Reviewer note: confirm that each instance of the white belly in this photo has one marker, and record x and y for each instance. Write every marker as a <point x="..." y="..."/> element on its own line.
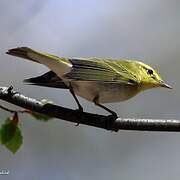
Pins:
<point x="107" y="92"/>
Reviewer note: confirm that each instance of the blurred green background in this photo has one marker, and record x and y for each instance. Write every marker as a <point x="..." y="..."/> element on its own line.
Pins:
<point x="132" y="29"/>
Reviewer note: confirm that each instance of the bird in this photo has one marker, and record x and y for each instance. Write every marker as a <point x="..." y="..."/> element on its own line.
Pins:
<point x="99" y="80"/>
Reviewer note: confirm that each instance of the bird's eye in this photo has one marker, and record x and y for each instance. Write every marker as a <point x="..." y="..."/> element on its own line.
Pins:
<point x="132" y="81"/>
<point x="150" y="71"/>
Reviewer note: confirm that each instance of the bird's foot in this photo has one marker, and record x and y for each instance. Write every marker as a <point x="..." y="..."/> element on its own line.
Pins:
<point x="79" y="112"/>
<point x="10" y="92"/>
<point x="110" y="121"/>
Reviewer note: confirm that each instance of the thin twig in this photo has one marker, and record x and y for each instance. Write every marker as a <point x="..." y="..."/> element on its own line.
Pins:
<point x="7" y="109"/>
<point x="13" y="111"/>
<point x="100" y="121"/>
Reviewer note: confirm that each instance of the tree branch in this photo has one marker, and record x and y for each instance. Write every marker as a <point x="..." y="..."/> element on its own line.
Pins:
<point x="100" y="121"/>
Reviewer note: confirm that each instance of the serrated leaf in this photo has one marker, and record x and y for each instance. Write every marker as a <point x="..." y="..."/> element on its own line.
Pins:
<point x="15" y="143"/>
<point x="10" y="135"/>
<point x="39" y="116"/>
<point x="7" y="131"/>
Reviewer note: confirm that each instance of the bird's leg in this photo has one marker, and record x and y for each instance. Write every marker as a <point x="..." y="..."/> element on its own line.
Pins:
<point x="80" y="108"/>
<point x="96" y="102"/>
<point x="109" y="123"/>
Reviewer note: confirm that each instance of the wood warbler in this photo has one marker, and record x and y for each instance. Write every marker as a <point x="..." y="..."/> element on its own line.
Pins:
<point x="95" y="79"/>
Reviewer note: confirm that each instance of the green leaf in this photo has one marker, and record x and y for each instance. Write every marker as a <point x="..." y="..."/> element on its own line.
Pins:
<point x="39" y="116"/>
<point x="15" y="143"/>
<point x="45" y="101"/>
<point x="10" y="135"/>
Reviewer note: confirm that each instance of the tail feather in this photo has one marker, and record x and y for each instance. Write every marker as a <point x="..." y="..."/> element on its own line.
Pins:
<point x="21" y="52"/>
<point x="49" y="79"/>
<point x="56" y="64"/>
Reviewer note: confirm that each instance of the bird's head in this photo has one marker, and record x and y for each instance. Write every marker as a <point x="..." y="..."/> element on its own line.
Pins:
<point x="149" y="77"/>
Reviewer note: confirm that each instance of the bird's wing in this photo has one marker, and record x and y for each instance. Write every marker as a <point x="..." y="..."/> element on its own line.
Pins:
<point x="105" y="70"/>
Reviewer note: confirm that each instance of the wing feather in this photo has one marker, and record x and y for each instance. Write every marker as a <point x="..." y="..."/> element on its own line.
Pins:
<point x="106" y="70"/>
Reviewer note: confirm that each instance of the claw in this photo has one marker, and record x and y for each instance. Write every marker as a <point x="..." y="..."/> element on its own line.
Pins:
<point x="9" y="90"/>
<point x="110" y="121"/>
<point x="79" y="114"/>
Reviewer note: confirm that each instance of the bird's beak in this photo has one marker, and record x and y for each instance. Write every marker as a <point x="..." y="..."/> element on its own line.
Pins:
<point x="163" y="84"/>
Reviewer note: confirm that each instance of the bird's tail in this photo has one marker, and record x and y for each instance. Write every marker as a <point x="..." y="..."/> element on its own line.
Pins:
<point x="49" y="79"/>
<point x="56" y="64"/>
<point x="23" y="52"/>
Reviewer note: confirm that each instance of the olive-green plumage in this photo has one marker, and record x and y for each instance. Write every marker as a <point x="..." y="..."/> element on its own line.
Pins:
<point x="95" y="79"/>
